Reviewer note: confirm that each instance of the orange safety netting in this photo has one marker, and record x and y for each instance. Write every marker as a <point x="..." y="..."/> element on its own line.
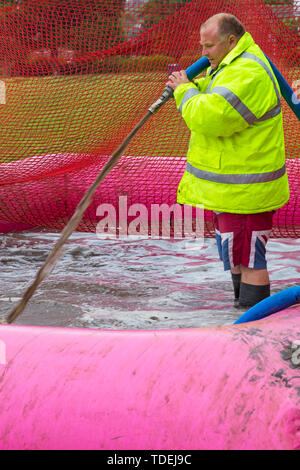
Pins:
<point x="77" y="75"/>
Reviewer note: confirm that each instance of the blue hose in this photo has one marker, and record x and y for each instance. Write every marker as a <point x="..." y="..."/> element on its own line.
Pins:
<point x="272" y="304"/>
<point x="286" y="91"/>
<point x="197" y="67"/>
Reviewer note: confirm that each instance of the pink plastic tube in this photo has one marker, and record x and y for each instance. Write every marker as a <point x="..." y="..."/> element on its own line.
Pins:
<point x="231" y="387"/>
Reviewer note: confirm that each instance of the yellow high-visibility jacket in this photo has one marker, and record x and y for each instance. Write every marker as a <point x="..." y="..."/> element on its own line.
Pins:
<point x="236" y="155"/>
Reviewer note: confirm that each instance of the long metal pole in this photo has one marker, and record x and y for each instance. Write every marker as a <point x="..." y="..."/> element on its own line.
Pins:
<point x="57" y="250"/>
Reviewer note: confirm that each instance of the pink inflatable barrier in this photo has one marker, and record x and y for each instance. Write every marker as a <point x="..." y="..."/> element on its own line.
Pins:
<point x="229" y="387"/>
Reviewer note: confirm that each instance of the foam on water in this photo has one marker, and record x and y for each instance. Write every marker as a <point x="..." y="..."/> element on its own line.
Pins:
<point x="134" y="283"/>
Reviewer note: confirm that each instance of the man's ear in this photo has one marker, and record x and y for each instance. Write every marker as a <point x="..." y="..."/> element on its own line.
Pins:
<point x="232" y="41"/>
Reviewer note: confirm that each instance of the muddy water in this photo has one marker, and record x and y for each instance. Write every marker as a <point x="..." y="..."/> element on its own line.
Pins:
<point x="134" y="283"/>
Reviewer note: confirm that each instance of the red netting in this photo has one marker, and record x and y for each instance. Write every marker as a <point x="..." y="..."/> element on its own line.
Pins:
<point x="77" y="75"/>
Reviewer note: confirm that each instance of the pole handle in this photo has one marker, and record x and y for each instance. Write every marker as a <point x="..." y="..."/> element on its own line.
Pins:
<point x="192" y="71"/>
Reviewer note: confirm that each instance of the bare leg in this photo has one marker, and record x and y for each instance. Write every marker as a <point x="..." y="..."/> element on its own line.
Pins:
<point x="257" y="277"/>
<point x="236" y="269"/>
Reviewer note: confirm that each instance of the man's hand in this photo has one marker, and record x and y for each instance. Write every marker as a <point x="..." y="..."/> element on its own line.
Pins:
<point x="177" y="78"/>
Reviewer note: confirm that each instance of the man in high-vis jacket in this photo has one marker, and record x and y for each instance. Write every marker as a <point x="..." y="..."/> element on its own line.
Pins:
<point x="236" y="157"/>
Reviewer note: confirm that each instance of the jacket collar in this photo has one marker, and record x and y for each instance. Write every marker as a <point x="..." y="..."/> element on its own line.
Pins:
<point x="244" y="42"/>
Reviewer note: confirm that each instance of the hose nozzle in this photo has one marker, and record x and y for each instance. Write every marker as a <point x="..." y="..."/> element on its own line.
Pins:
<point x="192" y="71"/>
<point x="167" y="94"/>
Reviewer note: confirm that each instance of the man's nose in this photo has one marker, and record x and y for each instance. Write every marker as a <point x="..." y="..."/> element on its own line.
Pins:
<point x="203" y="51"/>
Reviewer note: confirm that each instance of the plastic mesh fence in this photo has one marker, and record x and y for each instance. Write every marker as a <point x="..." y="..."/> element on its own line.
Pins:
<point x="77" y="75"/>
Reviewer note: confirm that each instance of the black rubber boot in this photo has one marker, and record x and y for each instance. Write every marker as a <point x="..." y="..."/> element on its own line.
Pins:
<point x="250" y="294"/>
<point x="236" y="281"/>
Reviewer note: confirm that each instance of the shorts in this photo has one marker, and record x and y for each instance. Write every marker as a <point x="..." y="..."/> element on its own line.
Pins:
<point x="242" y="238"/>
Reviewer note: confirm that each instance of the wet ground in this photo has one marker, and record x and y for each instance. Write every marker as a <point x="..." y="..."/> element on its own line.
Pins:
<point x="135" y="283"/>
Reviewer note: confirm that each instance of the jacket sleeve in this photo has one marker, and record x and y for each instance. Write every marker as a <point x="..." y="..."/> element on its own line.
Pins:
<point x="207" y="113"/>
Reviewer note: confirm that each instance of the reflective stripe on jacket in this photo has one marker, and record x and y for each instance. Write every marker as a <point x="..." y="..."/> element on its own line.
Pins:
<point x="236" y="158"/>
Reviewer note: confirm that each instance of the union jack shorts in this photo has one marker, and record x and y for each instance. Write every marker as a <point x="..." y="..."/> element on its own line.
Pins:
<point x="242" y="238"/>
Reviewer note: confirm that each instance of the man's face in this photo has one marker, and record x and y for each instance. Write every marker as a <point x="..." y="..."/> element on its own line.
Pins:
<point x="214" y="47"/>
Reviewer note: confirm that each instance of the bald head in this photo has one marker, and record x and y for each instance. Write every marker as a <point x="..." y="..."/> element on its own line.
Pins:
<point x="225" y="24"/>
<point x="219" y="35"/>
